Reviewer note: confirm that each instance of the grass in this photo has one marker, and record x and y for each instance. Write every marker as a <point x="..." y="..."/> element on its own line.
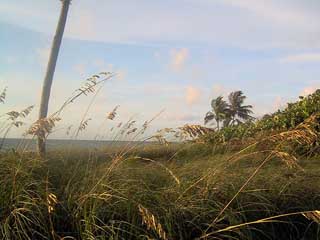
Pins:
<point x="154" y="192"/>
<point x="262" y="187"/>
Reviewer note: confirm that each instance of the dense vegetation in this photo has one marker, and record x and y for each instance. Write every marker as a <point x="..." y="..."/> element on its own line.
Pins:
<point x="282" y="120"/>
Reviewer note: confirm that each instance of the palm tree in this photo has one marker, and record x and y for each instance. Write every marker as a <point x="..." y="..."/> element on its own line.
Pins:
<point x="218" y="112"/>
<point x="45" y="96"/>
<point x="236" y="110"/>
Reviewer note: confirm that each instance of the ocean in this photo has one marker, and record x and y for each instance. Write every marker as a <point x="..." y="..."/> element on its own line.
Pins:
<point x="55" y="144"/>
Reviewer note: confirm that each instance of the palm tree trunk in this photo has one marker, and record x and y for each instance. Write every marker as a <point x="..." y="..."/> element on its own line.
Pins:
<point x="46" y="88"/>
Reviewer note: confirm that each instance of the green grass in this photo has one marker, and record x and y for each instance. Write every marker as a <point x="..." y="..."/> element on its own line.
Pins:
<point x="183" y="186"/>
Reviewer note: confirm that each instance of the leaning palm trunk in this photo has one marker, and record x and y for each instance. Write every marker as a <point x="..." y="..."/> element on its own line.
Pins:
<point x="50" y="70"/>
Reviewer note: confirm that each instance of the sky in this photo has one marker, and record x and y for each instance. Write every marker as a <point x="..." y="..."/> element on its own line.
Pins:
<point x="171" y="55"/>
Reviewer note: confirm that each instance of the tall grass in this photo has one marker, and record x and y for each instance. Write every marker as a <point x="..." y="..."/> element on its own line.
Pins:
<point x="81" y="198"/>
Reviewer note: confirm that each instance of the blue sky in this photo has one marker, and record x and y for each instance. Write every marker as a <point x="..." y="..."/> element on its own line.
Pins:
<point x="172" y="55"/>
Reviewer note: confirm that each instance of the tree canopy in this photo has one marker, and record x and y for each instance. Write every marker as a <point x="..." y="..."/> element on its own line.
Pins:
<point x="229" y="113"/>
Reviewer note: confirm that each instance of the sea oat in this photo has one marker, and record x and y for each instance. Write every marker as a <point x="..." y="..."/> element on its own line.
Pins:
<point x="131" y="124"/>
<point x="89" y="85"/>
<point x="151" y="222"/>
<point x="68" y="130"/>
<point x="290" y="160"/>
<point x="194" y="131"/>
<point x="43" y="127"/>
<point x="144" y="127"/>
<point x="113" y="113"/>
<point x="84" y="124"/>
<point x="18" y="123"/>
<point x="3" y="95"/>
<point x="161" y="139"/>
<point x="132" y="131"/>
<point x="51" y="202"/>
<point x="13" y="115"/>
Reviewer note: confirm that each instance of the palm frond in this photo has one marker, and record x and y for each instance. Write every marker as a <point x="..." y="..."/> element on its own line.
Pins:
<point x="209" y="117"/>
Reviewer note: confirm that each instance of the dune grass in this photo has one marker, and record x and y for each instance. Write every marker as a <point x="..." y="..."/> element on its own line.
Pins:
<point x="154" y="192"/>
<point x="261" y="186"/>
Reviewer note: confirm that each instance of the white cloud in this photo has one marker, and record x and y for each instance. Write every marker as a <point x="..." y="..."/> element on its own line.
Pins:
<point x="274" y="11"/>
<point x="220" y="90"/>
<point x="269" y="23"/>
<point x="278" y="103"/>
<point x="309" y="90"/>
<point x="304" y="57"/>
<point x="197" y="72"/>
<point x="192" y="95"/>
<point x="179" y="58"/>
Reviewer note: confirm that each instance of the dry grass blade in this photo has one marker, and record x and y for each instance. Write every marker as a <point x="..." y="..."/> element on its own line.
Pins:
<point x="313" y="216"/>
<point x="151" y="222"/>
<point x="304" y="134"/>
<point x="161" y="165"/>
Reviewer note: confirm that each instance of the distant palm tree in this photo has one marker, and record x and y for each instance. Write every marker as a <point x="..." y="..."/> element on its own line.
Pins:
<point x="236" y="110"/>
<point x="45" y="96"/>
<point x="218" y="112"/>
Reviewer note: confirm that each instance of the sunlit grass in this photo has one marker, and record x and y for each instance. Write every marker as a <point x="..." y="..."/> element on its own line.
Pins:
<point x="141" y="199"/>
